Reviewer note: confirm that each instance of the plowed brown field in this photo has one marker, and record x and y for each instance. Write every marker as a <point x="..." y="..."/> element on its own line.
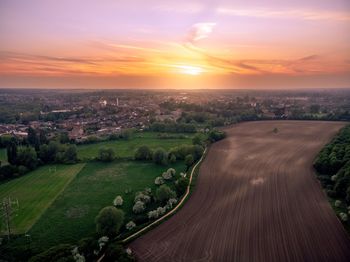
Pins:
<point x="256" y="199"/>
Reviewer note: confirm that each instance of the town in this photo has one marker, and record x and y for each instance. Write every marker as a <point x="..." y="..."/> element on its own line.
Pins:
<point x="84" y="115"/>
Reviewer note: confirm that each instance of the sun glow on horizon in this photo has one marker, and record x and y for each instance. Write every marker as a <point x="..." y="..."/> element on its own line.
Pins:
<point x="190" y="70"/>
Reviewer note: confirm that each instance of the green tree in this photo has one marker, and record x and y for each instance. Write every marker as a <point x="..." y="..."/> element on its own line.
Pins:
<point x="32" y="138"/>
<point x="27" y="157"/>
<point x="109" y="221"/>
<point x="12" y="152"/>
<point x="181" y="185"/>
<point x="164" y="193"/>
<point x="189" y="160"/>
<point x="71" y="155"/>
<point x="160" y="156"/>
<point x="197" y="140"/>
<point x="143" y="153"/>
<point x="106" y="154"/>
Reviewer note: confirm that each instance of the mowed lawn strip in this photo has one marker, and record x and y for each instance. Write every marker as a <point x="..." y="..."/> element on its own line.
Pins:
<point x="36" y="191"/>
<point x="126" y="148"/>
<point x="72" y="216"/>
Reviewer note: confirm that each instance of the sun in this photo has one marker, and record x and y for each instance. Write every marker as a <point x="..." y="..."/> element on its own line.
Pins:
<point x="190" y="70"/>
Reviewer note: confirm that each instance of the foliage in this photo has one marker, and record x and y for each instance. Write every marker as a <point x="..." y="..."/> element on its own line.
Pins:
<point x="109" y="221"/>
<point x="106" y="154"/>
<point x="216" y="135"/>
<point x="160" y="157"/>
<point x="189" y="160"/>
<point x="130" y="225"/>
<point x="118" y="201"/>
<point x="143" y="153"/>
<point x="26" y="156"/>
<point x="138" y="207"/>
<point x="333" y="166"/>
<point x="60" y="253"/>
<point x="164" y="193"/>
<point x="117" y="253"/>
<point x="181" y="185"/>
<point x="173" y="127"/>
<point x="159" y="180"/>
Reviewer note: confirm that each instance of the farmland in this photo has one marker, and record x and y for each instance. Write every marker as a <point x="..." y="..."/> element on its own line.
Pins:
<point x="126" y="148"/>
<point x="256" y="199"/>
<point x="95" y="187"/>
<point x="36" y="191"/>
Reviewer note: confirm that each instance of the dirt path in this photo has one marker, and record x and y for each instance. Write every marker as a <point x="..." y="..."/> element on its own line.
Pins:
<point x="256" y="199"/>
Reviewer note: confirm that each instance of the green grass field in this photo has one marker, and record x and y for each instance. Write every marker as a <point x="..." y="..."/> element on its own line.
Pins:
<point x="71" y="217"/>
<point x="126" y="148"/>
<point x="36" y="191"/>
<point x="3" y="156"/>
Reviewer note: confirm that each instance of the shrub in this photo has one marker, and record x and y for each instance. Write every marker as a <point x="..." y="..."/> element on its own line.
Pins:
<point x="171" y="171"/>
<point x="109" y="220"/>
<point x="159" y="180"/>
<point x="189" y="160"/>
<point x="118" y="201"/>
<point x="60" y="252"/>
<point x="142" y="196"/>
<point x="143" y="153"/>
<point x="168" y="175"/>
<point x="181" y="185"/>
<point x="106" y="154"/>
<point x="76" y="256"/>
<point x="130" y="225"/>
<point x="138" y="207"/>
<point x="172" y="158"/>
<point x="117" y="253"/>
<point x="215" y="135"/>
<point x="171" y="202"/>
<point x="160" y="157"/>
<point x="337" y="203"/>
<point x="164" y="193"/>
<point x="343" y="216"/>
<point x="161" y="211"/>
<point x="153" y="214"/>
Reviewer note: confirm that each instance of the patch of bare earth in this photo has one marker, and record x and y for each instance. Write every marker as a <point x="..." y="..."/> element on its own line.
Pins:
<point x="257" y="199"/>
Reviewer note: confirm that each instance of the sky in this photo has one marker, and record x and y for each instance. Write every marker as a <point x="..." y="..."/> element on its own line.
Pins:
<point x="175" y="44"/>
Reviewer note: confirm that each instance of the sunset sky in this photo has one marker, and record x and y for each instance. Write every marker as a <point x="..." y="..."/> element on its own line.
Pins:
<point x="175" y="44"/>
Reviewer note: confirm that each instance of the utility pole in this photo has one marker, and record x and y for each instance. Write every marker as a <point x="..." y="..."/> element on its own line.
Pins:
<point x="8" y="208"/>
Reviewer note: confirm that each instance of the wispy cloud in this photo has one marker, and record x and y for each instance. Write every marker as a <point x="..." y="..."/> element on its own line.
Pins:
<point x="294" y="13"/>
<point x="180" y="7"/>
<point x="199" y="31"/>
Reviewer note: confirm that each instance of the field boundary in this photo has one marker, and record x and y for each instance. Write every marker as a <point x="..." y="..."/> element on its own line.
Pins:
<point x="188" y="190"/>
<point x="58" y="194"/>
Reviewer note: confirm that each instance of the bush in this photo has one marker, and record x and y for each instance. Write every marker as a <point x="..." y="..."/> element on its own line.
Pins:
<point x="172" y="158"/>
<point x="138" y="207"/>
<point x="171" y="202"/>
<point x="164" y="193"/>
<point x="159" y="180"/>
<point x="337" y="203"/>
<point x="106" y="154"/>
<point x="160" y="157"/>
<point x="143" y="153"/>
<point x="343" y="216"/>
<point x="181" y="185"/>
<point x="142" y="196"/>
<point x="118" y="201"/>
<point x="189" y="160"/>
<point x="117" y="253"/>
<point x="109" y="221"/>
<point x="60" y="252"/>
<point x="215" y="135"/>
<point x="130" y="225"/>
